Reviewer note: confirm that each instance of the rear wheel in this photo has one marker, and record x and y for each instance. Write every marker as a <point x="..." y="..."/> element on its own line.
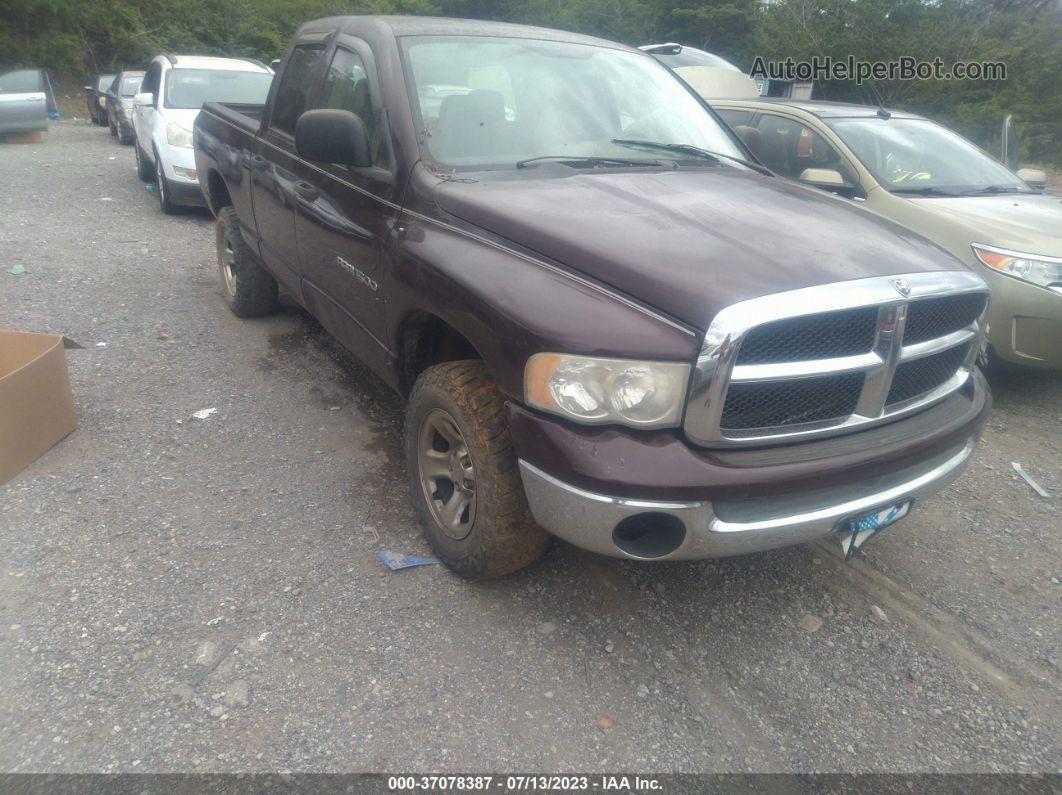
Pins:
<point x="144" y="169"/>
<point x="249" y="289"/>
<point x="464" y="473"/>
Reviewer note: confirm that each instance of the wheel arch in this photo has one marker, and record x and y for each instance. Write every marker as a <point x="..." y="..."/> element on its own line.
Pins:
<point x="426" y="339"/>
<point x="218" y="196"/>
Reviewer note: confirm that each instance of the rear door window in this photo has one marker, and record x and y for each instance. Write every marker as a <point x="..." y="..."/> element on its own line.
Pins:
<point x="296" y="87"/>
<point x="22" y="81"/>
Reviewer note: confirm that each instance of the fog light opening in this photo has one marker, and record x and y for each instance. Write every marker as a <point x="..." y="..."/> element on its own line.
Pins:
<point x="649" y="535"/>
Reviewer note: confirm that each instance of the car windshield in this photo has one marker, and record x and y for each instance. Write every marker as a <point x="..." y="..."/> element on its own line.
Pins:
<point x="23" y="81"/>
<point x="131" y="85"/>
<point x="104" y="82"/>
<point x="190" y="88"/>
<point x="495" y="102"/>
<point x="915" y="155"/>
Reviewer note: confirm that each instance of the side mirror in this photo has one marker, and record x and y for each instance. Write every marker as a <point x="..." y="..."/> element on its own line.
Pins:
<point x="88" y="88"/>
<point x="828" y="179"/>
<point x="142" y="100"/>
<point x="274" y="64"/>
<point x="1033" y="177"/>
<point x="332" y="136"/>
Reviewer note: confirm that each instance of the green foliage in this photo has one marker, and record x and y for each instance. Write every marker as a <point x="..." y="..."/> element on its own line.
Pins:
<point x="75" y="37"/>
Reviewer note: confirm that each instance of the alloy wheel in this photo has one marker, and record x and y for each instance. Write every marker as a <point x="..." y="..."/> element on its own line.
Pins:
<point x="160" y="183"/>
<point x="228" y="265"/>
<point x="447" y="475"/>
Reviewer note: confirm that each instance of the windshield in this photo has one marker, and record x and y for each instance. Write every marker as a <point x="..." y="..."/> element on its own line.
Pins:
<point x="190" y="88"/>
<point x="495" y="102"/>
<point x="24" y="81"/>
<point x="131" y="85"/>
<point x="104" y="82"/>
<point x="913" y="155"/>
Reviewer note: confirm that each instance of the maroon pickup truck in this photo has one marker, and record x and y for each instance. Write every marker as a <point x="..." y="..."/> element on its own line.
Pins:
<point x="611" y="324"/>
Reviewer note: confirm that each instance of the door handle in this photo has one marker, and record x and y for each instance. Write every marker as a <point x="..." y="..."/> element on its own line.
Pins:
<point x="306" y="190"/>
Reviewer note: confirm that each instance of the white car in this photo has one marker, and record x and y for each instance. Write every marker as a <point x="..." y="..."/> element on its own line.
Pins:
<point x="174" y="89"/>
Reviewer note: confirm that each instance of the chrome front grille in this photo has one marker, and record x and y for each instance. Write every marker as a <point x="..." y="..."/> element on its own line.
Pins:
<point x="822" y="336"/>
<point x="830" y="359"/>
<point x="777" y="403"/>
<point x="935" y="317"/>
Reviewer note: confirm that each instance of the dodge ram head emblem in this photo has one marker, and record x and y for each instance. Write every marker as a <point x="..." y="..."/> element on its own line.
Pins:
<point x="903" y="287"/>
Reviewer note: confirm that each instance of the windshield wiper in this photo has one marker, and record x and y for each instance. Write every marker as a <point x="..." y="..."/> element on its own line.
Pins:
<point x="696" y="151"/>
<point x="994" y="189"/>
<point x="924" y="191"/>
<point x="597" y="161"/>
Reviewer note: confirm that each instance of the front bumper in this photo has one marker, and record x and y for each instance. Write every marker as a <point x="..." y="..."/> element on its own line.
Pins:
<point x="1024" y="322"/>
<point x="595" y="487"/>
<point x="728" y="527"/>
<point x="183" y="191"/>
<point x="186" y="194"/>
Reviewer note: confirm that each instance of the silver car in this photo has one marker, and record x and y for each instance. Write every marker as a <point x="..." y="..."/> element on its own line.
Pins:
<point x="23" y="101"/>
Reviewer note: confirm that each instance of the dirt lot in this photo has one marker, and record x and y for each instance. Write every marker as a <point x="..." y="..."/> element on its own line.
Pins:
<point x="148" y="544"/>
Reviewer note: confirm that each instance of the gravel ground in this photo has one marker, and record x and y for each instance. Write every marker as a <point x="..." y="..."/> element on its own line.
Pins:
<point x="148" y="544"/>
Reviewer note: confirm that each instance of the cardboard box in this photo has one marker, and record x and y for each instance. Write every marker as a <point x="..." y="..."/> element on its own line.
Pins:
<point x="36" y="404"/>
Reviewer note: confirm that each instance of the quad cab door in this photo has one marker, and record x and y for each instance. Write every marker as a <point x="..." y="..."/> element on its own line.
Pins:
<point x="273" y="161"/>
<point x="344" y="214"/>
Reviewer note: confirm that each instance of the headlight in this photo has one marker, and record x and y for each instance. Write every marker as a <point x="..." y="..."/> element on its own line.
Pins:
<point x="176" y="135"/>
<point x="598" y="391"/>
<point x="1043" y="271"/>
<point x="103" y="102"/>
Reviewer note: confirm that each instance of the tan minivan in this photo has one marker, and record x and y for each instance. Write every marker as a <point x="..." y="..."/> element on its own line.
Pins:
<point x="930" y="179"/>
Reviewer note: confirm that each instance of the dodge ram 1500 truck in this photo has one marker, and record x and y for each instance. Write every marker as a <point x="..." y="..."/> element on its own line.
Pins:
<point x="610" y="323"/>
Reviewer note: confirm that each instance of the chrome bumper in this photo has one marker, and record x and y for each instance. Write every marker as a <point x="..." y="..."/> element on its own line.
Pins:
<point x="730" y="527"/>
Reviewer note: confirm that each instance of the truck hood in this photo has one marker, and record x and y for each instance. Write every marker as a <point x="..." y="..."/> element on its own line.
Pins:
<point x="1031" y="224"/>
<point x="689" y="242"/>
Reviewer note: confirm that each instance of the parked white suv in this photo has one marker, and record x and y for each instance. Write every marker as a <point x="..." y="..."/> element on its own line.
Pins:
<point x="174" y="89"/>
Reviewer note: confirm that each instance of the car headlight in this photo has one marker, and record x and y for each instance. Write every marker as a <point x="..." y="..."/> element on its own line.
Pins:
<point x="597" y="391"/>
<point x="1040" y="270"/>
<point x="176" y="135"/>
<point x="103" y="102"/>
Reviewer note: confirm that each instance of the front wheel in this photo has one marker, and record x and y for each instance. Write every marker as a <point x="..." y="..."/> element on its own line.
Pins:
<point x="162" y="187"/>
<point x="144" y="169"/>
<point x="464" y="474"/>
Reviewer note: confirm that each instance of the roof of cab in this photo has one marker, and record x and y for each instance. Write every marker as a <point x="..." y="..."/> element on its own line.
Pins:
<point x="447" y="26"/>
<point x="822" y="108"/>
<point x="212" y="62"/>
